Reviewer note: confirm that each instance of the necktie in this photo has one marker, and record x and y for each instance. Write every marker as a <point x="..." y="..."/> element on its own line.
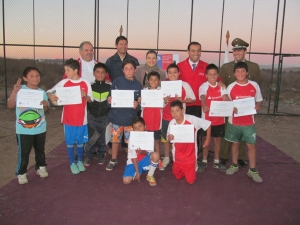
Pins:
<point x="194" y="66"/>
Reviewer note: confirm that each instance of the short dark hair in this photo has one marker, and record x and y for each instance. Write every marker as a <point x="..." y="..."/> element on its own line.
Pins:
<point x="83" y="43"/>
<point x="100" y="65"/>
<point x="73" y="64"/>
<point x="129" y="61"/>
<point x="172" y="65"/>
<point x="138" y="119"/>
<point x="120" y="38"/>
<point x="240" y="65"/>
<point x="153" y="74"/>
<point x="194" y="43"/>
<point x="151" y="52"/>
<point x="176" y="103"/>
<point x="28" y="69"/>
<point x="211" y="67"/>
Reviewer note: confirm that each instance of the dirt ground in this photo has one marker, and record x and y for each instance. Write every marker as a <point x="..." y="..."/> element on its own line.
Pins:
<point x="281" y="131"/>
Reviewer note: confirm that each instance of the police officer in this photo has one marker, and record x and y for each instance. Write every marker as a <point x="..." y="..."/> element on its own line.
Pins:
<point x="239" y="48"/>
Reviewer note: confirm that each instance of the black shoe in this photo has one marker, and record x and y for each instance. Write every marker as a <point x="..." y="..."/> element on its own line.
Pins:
<point x="101" y="159"/>
<point x="75" y="158"/>
<point x="243" y="163"/>
<point x="223" y="161"/>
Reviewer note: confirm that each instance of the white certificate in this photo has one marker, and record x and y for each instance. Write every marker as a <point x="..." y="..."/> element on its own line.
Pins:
<point x="172" y="88"/>
<point x="221" y="108"/>
<point x="30" y="98"/>
<point x="122" y="98"/>
<point x="141" y="140"/>
<point x="68" y="95"/>
<point x="152" y="98"/>
<point x="183" y="133"/>
<point x="245" y="106"/>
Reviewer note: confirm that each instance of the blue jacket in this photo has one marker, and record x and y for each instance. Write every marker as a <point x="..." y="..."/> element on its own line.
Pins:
<point x="114" y="65"/>
<point x="124" y="116"/>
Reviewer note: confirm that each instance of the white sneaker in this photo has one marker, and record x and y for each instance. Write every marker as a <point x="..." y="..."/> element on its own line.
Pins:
<point x="165" y="161"/>
<point x="42" y="172"/>
<point x="22" y="179"/>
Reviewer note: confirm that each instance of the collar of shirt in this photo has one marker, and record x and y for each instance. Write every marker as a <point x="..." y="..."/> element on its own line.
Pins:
<point x="191" y="63"/>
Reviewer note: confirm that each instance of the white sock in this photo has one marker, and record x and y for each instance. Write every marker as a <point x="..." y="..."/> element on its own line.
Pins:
<point x="152" y="168"/>
<point x="216" y="161"/>
<point x="204" y="160"/>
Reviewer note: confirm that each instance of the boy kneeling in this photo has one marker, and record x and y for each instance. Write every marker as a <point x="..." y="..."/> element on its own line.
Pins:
<point x="140" y="160"/>
<point x="185" y="154"/>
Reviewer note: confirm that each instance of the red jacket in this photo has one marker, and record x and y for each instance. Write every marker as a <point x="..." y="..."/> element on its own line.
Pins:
<point x="194" y="78"/>
<point x="107" y="78"/>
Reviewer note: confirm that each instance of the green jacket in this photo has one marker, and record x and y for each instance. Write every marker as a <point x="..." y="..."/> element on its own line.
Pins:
<point x="227" y="74"/>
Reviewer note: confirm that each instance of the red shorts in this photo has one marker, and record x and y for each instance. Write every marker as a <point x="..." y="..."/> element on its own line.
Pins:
<point x="188" y="171"/>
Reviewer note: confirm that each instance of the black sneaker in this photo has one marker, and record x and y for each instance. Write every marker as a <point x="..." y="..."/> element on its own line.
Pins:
<point x="111" y="165"/>
<point x="223" y="161"/>
<point x="87" y="161"/>
<point x="101" y="159"/>
<point x="202" y="166"/>
<point x="219" y="166"/>
<point x="243" y="163"/>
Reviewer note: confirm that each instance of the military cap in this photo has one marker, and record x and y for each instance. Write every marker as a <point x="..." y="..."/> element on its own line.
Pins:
<point x="239" y="43"/>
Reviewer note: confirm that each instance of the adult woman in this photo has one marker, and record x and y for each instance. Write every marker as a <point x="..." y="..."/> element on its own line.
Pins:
<point x="151" y="65"/>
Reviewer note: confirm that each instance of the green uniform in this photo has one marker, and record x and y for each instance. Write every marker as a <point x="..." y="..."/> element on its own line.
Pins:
<point x="227" y="76"/>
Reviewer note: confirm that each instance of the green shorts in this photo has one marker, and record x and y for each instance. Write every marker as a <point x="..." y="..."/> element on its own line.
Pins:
<point x="240" y="133"/>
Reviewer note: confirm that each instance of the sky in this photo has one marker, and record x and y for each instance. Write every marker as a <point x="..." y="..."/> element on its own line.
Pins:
<point x="142" y="30"/>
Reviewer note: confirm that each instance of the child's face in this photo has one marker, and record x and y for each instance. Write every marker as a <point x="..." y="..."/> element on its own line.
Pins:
<point x="153" y="82"/>
<point x="71" y="74"/>
<point x="129" y="71"/>
<point x="100" y="74"/>
<point x="32" y="78"/>
<point x="240" y="75"/>
<point x="139" y="126"/>
<point x="212" y="76"/>
<point x="173" y="74"/>
<point x="177" y="113"/>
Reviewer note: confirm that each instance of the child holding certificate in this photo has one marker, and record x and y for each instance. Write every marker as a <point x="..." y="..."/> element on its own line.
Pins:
<point x="211" y="91"/>
<point x="140" y="161"/>
<point x="153" y="116"/>
<point x="121" y="118"/>
<point x="186" y="97"/>
<point x="97" y="116"/>
<point x="30" y="124"/>
<point x="74" y="116"/>
<point x="242" y="128"/>
<point x="185" y="154"/>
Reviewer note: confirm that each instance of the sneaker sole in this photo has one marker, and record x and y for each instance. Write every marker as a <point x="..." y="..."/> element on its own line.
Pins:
<point x="100" y="163"/>
<point x="42" y="176"/>
<point x="23" y="182"/>
<point x="86" y="164"/>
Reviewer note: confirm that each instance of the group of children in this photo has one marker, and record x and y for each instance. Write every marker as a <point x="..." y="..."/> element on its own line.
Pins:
<point x="95" y="112"/>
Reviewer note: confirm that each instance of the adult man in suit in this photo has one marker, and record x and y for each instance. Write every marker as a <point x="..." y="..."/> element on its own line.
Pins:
<point x="239" y="48"/>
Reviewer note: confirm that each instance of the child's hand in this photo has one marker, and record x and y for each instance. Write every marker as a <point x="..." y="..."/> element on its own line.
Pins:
<point x="83" y="93"/>
<point x="205" y="109"/>
<point x="178" y="98"/>
<point x="167" y="99"/>
<point x="109" y="99"/>
<point x="137" y="177"/>
<point x="18" y="85"/>
<point x="53" y="98"/>
<point x="257" y="107"/>
<point x="44" y="103"/>
<point x="170" y="137"/>
<point x="206" y="143"/>
<point x="235" y="110"/>
<point x="135" y="104"/>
